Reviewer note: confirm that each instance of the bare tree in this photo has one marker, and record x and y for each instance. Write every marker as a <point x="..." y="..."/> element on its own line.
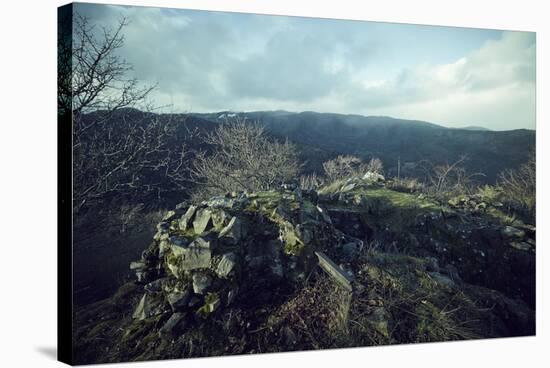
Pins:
<point x="100" y="77"/>
<point x="343" y="166"/>
<point x="136" y="154"/>
<point x="449" y="178"/>
<point x="375" y="165"/>
<point x="115" y="149"/>
<point x="241" y="157"/>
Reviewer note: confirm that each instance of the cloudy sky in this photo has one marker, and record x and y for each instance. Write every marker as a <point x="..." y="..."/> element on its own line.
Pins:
<point x="213" y="61"/>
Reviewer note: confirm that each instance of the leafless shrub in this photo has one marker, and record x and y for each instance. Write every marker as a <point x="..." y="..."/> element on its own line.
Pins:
<point x="128" y="156"/>
<point x="406" y="185"/>
<point x="375" y="165"/>
<point x="520" y="187"/>
<point x="311" y="181"/>
<point x="448" y="179"/>
<point x="343" y="166"/>
<point x="241" y="157"/>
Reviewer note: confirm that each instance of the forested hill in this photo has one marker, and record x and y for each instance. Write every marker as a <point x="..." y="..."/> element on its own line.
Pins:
<point x="321" y="136"/>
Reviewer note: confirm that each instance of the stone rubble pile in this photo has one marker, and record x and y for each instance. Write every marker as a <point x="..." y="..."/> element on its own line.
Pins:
<point x="203" y="257"/>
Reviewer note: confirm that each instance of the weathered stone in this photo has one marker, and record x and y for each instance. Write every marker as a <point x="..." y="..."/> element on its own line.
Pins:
<point x="164" y="246"/>
<point x="233" y="231"/>
<point x="163" y="226"/>
<point x="181" y="205"/>
<point x="281" y="213"/>
<point x="137" y="266"/>
<point x="373" y="177"/>
<point x="173" y="327"/>
<point x="179" y="241"/>
<point x="221" y="202"/>
<point x="227" y="265"/>
<point x="141" y="276"/>
<point x="292" y="242"/>
<point x="187" y="217"/>
<point x="211" y="304"/>
<point x="197" y="255"/>
<point x="201" y="283"/>
<point x="203" y="220"/>
<point x="169" y="216"/>
<point x="339" y="275"/>
<point x="219" y="219"/>
<point x="179" y="299"/>
<point x="146" y="308"/>
<point x="155" y="286"/>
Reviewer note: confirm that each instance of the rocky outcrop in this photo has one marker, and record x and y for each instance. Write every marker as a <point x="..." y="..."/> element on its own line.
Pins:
<point x="244" y="271"/>
<point x="204" y="256"/>
<point x="470" y="239"/>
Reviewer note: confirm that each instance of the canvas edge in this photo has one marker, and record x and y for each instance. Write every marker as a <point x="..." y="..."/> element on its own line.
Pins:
<point x="65" y="311"/>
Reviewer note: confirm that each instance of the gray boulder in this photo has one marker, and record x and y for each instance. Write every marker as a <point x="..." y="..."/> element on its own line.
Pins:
<point x="219" y="219"/>
<point x="221" y="202"/>
<point x="373" y="177"/>
<point x="197" y="255"/>
<point x="179" y="299"/>
<point x="147" y="307"/>
<point x="187" y="217"/>
<point x="227" y="265"/>
<point x="203" y="220"/>
<point x="201" y="283"/>
<point x="233" y="231"/>
<point x="155" y="286"/>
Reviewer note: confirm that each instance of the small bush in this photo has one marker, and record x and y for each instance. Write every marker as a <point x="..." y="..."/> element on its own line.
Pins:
<point x="520" y="188"/>
<point x="406" y="185"/>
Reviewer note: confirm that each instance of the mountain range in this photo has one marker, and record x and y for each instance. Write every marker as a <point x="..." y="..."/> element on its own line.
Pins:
<point x="413" y="143"/>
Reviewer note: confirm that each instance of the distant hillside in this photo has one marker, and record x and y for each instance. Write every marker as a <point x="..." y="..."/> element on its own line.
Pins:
<point x="473" y="127"/>
<point x="324" y="135"/>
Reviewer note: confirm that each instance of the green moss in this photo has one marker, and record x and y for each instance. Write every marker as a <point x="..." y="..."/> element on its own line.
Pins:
<point x="333" y="187"/>
<point x="208" y="307"/>
<point x="292" y="244"/>
<point x="398" y="199"/>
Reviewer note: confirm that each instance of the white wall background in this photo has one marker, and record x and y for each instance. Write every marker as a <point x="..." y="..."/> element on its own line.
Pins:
<point x="28" y="181"/>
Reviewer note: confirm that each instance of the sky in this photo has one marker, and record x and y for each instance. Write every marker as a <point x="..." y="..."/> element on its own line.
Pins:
<point x="214" y="61"/>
